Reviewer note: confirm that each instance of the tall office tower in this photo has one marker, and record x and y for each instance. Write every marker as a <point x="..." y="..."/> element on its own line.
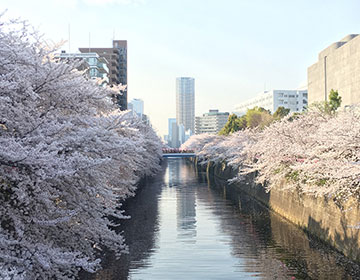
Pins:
<point x="185" y="102"/>
<point x="117" y="64"/>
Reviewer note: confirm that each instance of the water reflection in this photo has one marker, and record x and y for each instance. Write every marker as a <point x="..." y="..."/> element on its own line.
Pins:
<point x="186" y="214"/>
<point x="283" y="249"/>
<point x="187" y="226"/>
<point x="139" y="232"/>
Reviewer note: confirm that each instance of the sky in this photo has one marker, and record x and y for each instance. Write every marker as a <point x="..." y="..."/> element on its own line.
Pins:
<point x="233" y="48"/>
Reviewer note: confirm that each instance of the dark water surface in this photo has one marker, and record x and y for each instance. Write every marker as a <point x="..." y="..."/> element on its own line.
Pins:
<point x="185" y="226"/>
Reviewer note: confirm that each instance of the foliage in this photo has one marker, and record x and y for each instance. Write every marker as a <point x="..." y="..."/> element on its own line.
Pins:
<point x="67" y="156"/>
<point x="334" y="100"/>
<point x="233" y="124"/>
<point x="328" y="107"/>
<point x="280" y="113"/>
<point x="257" y="117"/>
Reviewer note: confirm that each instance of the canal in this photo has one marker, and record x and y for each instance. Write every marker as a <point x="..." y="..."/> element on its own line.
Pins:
<point x="186" y="226"/>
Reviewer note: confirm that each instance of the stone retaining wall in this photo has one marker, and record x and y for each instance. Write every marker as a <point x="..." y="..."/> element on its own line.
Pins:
<point x="317" y="215"/>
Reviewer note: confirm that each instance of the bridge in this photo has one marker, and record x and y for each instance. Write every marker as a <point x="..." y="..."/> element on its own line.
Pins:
<point x="177" y="153"/>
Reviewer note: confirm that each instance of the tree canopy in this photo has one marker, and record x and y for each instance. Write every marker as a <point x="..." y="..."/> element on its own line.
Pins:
<point x="67" y="157"/>
<point x="281" y="112"/>
<point x="233" y="124"/>
<point x="328" y="107"/>
<point x="334" y="100"/>
<point x="256" y="117"/>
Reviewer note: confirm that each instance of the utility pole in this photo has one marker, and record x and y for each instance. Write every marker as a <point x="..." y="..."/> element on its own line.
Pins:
<point x="89" y="42"/>
<point x="325" y="78"/>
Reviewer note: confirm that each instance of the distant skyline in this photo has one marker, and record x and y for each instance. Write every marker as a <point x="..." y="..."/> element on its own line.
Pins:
<point x="233" y="48"/>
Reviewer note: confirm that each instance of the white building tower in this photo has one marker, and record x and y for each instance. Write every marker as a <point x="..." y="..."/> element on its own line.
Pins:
<point x="185" y="102"/>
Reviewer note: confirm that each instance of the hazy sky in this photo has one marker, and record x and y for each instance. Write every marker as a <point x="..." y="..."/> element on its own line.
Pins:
<point x="233" y="48"/>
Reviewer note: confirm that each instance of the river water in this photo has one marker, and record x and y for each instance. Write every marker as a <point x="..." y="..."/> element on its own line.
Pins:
<point x="186" y="226"/>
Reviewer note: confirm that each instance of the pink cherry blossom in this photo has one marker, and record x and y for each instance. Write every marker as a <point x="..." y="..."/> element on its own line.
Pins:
<point x="67" y="157"/>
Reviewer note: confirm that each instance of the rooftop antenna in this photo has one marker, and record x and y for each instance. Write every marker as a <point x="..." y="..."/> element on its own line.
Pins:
<point x="69" y="36"/>
<point x="113" y="34"/>
<point x="264" y="86"/>
<point x="89" y="42"/>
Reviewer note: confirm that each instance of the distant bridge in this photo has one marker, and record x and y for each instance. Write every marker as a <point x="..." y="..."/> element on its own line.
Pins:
<point x="177" y="153"/>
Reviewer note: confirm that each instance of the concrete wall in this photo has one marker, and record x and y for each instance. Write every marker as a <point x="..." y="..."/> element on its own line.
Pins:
<point x="342" y="61"/>
<point x="319" y="216"/>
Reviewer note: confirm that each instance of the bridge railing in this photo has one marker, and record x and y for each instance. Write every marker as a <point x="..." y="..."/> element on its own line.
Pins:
<point x="177" y="151"/>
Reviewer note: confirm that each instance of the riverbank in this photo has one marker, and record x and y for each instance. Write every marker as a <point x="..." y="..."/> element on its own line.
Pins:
<point x="319" y="216"/>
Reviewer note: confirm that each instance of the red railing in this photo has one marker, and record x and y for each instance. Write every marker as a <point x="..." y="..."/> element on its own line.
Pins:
<point x="176" y="151"/>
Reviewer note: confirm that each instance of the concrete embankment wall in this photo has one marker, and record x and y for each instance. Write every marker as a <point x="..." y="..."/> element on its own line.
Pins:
<point x="317" y="215"/>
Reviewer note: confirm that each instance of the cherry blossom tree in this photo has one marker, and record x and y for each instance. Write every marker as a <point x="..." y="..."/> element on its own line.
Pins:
<point x="314" y="152"/>
<point x="67" y="157"/>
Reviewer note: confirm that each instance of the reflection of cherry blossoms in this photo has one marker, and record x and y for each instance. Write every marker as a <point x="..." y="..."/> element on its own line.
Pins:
<point x="314" y="152"/>
<point x="67" y="156"/>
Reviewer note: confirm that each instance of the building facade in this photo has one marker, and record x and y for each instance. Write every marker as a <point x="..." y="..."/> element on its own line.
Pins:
<point x="338" y="68"/>
<point x="172" y="137"/>
<point x="185" y="102"/>
<point x="211" y="122"/>
<point x="117" y="64"/>
<point x="121" y="46"/>
<point x="295" y="100"/>
<point x="93" y="65"/>
<point x="176" y="134"/>
<point x="137" y="106"/>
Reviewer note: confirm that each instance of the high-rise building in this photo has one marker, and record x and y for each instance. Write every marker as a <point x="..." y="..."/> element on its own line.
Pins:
<point x="337" y="68"/>
<point x="121" y="46"/>
<point x="295" y="100"/>
<point x="117" y="64"/>
<point x="185" y="102"/>
<point x="172" y="137"/>
<point x="137" y="106"/>
<point x="174" y="141"/>
<point x="211" y="122"/>
<point x="181" y="134"/>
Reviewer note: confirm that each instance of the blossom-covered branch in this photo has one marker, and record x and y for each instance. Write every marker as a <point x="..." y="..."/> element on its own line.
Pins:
<point x="67" y="156"/>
